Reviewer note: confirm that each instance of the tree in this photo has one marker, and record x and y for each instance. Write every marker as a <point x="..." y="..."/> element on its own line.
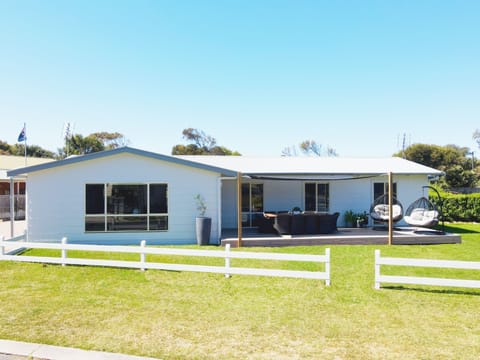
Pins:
<point x="309" y="147"/>
<point x="77" y="144"/>
<point x="4" y="148"/>
<point x="19" y="150"/>
<point x="111" y="140"/>
<point x="450" y="159"/>
<point x="201" y="144"/>
<point x="476" y="137"/>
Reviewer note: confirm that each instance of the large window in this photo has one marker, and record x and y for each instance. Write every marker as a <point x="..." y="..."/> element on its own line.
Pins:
<point x="317" y="197"/>
<point x="252" y="204"/>
<point x="126" y="207"/>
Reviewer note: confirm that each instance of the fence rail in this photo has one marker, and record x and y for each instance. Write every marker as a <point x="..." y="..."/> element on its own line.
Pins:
<point x="412" y="280"/>
<point x="142" y="264"/>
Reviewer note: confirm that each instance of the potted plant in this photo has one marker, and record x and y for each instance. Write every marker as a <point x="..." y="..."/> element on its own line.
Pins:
<point x="362" y="219"/>
<point x="203" y="224"/>
<point x="350" y="218"/>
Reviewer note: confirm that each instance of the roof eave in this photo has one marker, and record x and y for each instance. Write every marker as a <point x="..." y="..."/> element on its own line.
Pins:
<point x="122" y="150"/>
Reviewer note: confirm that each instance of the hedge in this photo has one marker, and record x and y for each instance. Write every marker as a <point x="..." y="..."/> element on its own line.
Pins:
<point x="459" y="207"/>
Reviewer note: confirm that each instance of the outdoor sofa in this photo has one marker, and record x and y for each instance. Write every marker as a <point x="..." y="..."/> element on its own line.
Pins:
<point x="288" y="223"/>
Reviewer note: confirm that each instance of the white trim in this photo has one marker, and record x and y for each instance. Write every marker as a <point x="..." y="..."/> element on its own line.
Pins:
<point x="446" y="264"/>
<point x="142" y="264"/>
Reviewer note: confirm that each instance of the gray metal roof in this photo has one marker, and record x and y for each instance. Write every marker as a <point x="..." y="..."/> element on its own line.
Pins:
<point x="9" y="162"/>
<point x="261" y="166"/>
<point x="123" y="150"/>
<point x="314" y="165"/>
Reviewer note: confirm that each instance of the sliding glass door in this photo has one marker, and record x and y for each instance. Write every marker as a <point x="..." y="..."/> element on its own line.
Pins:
<point x="252" y="204"/>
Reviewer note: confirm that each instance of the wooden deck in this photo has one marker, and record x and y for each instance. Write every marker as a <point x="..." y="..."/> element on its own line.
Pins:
<point x="344" y="236"/>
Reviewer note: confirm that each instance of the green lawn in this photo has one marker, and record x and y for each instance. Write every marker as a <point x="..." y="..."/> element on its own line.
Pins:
<point x="173" y="315"/>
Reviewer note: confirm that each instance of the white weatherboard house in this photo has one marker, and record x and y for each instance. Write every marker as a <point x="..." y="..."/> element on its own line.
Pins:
<point x="126" y="195"/>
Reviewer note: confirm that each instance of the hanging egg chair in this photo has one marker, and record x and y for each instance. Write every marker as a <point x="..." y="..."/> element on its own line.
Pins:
<point x="422" y="213"/>
<point x="379" y="210"/>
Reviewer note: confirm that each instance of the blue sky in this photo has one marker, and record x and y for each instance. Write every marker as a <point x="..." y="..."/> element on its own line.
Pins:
<point x="258" y="76"/>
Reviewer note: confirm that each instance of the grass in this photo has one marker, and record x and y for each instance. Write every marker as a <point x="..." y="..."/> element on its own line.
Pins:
<point x="180" y="315"/>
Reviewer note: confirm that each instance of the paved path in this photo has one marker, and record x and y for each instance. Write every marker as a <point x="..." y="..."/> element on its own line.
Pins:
<point x="5" y="231"/>
<point x="19" y="228"/>
<point x="17" y="350"/>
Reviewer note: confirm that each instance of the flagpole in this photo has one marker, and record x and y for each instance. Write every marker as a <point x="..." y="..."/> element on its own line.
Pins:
<point x="25" y="141"/>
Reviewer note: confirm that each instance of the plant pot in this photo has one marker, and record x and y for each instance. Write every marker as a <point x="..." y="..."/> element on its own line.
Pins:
<point x="203" y="226"/>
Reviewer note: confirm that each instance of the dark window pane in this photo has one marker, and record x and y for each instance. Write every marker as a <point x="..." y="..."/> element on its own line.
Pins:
<point x="95" y="223"/>
<point x="257" y="198"/>
<point x="322" y="197"/>
<point x="380" y="189"/>
<point x="158" y="222"/>
<point x="310" y="197"/>
<point x="158" y="199"/>
<point x="126" y="223"/>
<point x="126" y="199"/>
<point x="245" y="197"/>
<point x="94" y="199"/>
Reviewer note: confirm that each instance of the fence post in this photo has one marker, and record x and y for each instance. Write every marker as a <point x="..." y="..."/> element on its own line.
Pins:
<point x="142" y="255"/>
<point x="227" y="260"/>
<point x="2" y="248"/>
<point x="327" y="266"/>
<point x="377" y="269"/>
<point x="64" y="251"/>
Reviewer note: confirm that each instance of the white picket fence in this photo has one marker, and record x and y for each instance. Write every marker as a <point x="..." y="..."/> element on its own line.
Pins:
<point x="143" y="250"/>
<point x="446" y="264"/>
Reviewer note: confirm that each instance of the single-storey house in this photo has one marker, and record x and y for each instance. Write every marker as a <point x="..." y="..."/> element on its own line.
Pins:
<point x="125" y="195"/>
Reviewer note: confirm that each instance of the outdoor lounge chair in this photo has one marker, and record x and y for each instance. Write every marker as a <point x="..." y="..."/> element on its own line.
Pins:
<point x="422" y="213"/>
<point x="379" y="211"/>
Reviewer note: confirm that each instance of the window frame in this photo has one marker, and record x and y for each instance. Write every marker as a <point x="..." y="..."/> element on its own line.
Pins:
<point x="107" y="217"/>
<point x="249" y="216"/>
<point x="327" y="195"/>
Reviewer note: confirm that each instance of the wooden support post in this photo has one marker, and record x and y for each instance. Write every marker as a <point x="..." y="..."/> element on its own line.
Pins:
<point x="239" y="208"/>
<point x="390" y="208"/>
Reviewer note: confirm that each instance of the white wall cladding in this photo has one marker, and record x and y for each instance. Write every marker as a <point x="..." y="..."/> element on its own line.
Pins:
<point x="56" y="199"/>
<point x="229" y="204"/>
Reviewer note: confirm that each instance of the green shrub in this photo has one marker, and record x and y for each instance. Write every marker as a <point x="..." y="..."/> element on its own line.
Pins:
<point x="459" y="207"/>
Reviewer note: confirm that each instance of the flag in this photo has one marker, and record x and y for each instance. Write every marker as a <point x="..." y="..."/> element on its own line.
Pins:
<point x="23" y="135"/>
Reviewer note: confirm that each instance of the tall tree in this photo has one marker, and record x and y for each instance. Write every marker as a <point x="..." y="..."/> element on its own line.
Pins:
<point x="111" y="140"/>
<point x="451" y="159"/>
<point x="200" y="144"/>
<point x="78" y="144"/>
<point x="309" y="147"/>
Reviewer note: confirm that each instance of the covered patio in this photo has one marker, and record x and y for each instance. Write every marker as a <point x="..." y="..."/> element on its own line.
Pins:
<point x="344" y="236"/>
